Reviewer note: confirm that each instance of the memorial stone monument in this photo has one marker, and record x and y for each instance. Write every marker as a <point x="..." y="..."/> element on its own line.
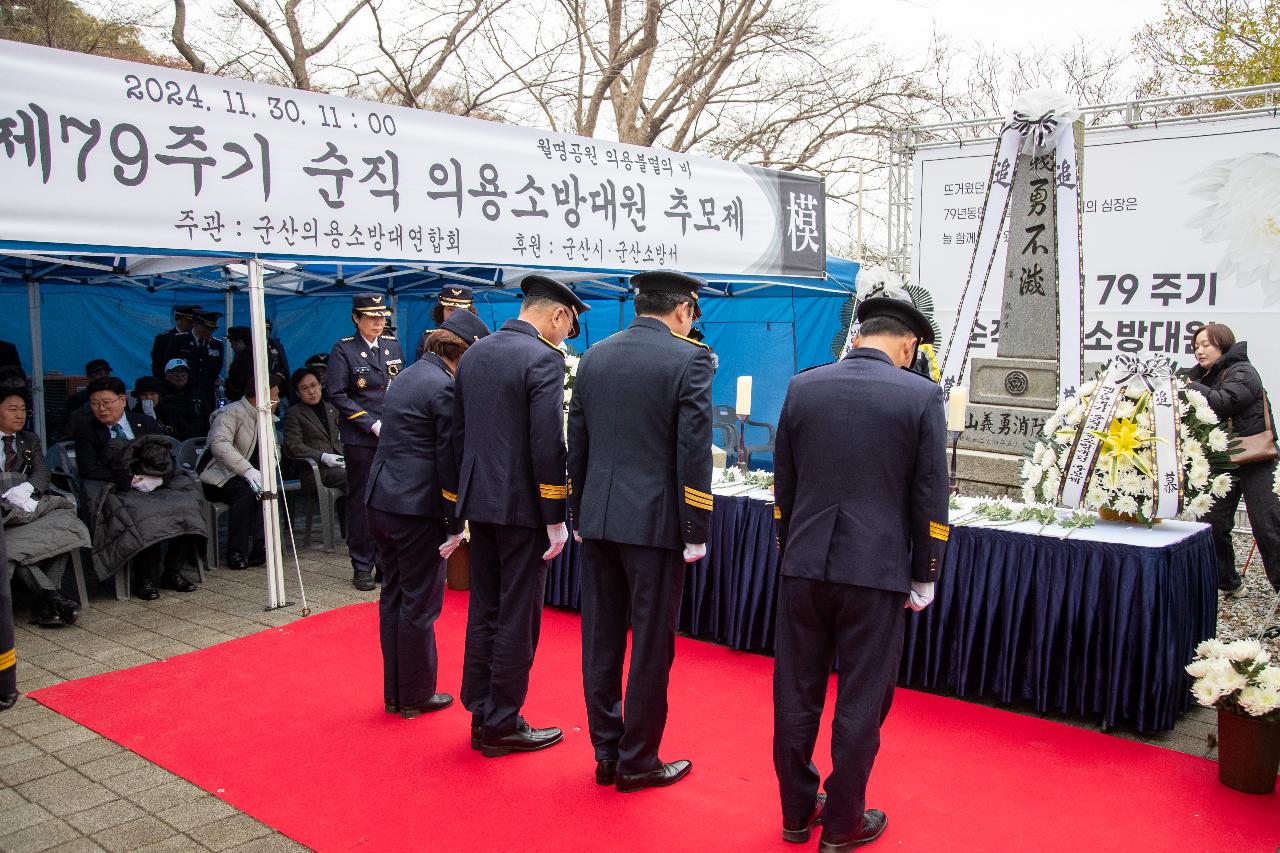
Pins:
<point x="1012" y="395"/>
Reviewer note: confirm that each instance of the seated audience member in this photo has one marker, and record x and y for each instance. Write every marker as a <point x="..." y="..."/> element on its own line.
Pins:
<point x="146" y="399"/>
<point x="14" y="378"/>
<point x="181" y="406"/>
<point x="40" y="527"/>
<point x="311" y="432"/>
<point x="138" y="502"/>
<point x="319" y="365"/>
<point x="78" y="403"/>
<point x="232" y="474"/>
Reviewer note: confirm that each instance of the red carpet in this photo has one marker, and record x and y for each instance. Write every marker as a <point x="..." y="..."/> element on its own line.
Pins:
<point x="288" y="726"/>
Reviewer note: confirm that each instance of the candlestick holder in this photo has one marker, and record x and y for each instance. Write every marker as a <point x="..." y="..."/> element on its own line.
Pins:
<point x="742" y="444"/>
<point x="955" y="441"/>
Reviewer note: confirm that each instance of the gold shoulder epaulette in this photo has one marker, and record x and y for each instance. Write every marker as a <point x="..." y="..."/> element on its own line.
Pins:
<point x="553" y="346"/>
<point x="690" y="340"/>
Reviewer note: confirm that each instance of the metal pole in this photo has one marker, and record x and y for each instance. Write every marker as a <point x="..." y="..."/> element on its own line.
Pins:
<point x="37" y="359"/>
<point x="266" y="439"/>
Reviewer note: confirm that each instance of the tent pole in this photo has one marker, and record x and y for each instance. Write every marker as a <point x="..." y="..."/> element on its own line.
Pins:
<point x="395" y="311"/>
<point x="37" y="359"/>
<point x="266" y="438"/>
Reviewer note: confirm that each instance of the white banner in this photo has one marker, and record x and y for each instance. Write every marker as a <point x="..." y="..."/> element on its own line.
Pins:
<point x="1178" y="230"/>
<point x="98" y="152"/>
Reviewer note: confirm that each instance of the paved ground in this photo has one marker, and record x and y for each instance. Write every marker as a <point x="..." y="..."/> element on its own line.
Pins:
<point x="63" y="787"/>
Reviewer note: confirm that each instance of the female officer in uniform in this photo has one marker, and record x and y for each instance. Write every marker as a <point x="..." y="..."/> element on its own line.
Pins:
<point x="361" y="368"/>
<point x="410" y="503"/>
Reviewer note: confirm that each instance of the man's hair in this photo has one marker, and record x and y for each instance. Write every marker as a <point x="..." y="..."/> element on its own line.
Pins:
<point x="251" y="387"/>
<point x="1219" y="335"/>
<point x="885" y="325"/>
<point x="106" y="383"/>
<point x="21" y="394"/>
<point x="300" y="374"/>
<point x="446" y="344"/>
<point x="659" y="303"/>
<point x="539" y="302"/>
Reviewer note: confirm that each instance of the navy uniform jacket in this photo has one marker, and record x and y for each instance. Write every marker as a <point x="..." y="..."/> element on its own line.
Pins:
<point x="508" y="429"/>
<point x="414" y="471"/>
<point x="204" y="358"/>
<point x="163" y="348"/>
<point x="640" y="439"/>
<point x="861" y="475"/>
<point x="358" y="378"/>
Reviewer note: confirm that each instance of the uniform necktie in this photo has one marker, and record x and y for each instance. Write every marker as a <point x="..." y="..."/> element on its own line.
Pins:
<point x="10" y="454"/>
<point x="117" y="431"/>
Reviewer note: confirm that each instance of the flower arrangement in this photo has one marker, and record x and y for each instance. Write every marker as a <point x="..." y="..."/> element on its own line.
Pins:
<point x="1123" y="478"/>
<point x="1237" y="677"/>
<point x="1002" y="511"/>
<point x="759" y="478"/>
<point x="570" y="374"/>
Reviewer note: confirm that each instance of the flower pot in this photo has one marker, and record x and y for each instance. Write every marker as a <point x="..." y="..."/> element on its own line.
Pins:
<point x="1106" y="513"/>
<point x="1248" y="752"/>
<point x="457" y="573"/>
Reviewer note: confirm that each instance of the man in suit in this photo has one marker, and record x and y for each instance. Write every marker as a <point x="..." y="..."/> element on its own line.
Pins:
<point x="861" y="485"/>
<point x="22" y="454"/>
<point x="165" y="343"/>
<point x="361" y="368"/>
<point x="509" y="434"/>
<point x="412" y="500"/>
<point x="311" y="430"/>
<point x="204" y="355"/>
<point x="640" y="498"/>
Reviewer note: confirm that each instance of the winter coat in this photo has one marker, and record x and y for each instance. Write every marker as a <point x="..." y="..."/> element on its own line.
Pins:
<point x="232" y="440"/>
<point x="1234" y="390"/>
<point x="305" y="437"/>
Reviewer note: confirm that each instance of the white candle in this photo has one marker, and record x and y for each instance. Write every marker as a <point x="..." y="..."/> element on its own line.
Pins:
<point x="744" y="396"/>
<point x="957" y="403"/>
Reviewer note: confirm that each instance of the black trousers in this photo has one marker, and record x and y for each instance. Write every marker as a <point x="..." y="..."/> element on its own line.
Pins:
<point x="364" y="551"/>
<point x="1254" y="482"/>
<point x="8" y="652"/>
<point x="244" y="513"/>
<point x="861" y="628"/>
<point x="412" y="596"/>
<point x="172" y="553"/>
<point x="646" y="583"/>
<point x="504" y="616"/>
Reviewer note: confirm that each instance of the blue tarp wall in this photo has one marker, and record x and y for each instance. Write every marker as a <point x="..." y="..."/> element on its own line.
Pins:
<point x="769" y="334"/>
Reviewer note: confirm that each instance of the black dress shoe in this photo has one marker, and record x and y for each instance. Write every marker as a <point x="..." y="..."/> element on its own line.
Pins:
<point x="46" y="617"/>
<point x="873" y="823"/>
<point x="476" y="740"/>
<point x="257" y="556"/>
<point x="363" y="581"/>
<point x="391" y="706"/>
<point x="606" y="771"/>
<point x="147" y="590"/>
<point x="437" y="702"/>
<point x="7" y="701"/>
<point x="178" y="582"/>
<point x="524" y="739"/>
<point x="668" y="774"/>
<point x="68" y="611"/>
<point x="797" y="831"/>
<point x="236" y="560"/>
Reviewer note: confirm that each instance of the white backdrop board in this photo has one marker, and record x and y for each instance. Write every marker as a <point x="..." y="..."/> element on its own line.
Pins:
<point x="98" y="152"/>
<point x="1181" y="226"/>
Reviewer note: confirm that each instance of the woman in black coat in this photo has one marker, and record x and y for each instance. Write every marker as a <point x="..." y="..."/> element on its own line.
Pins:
<point x="1234" y="390"/>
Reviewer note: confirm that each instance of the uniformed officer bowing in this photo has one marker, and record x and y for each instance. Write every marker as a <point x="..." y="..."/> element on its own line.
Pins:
<point x="509" y="432"/>
<point x="361" y="367"/>
<point x="411" y="505"/>
<point x="861" y="486"/>
<point x="640" y="478"/>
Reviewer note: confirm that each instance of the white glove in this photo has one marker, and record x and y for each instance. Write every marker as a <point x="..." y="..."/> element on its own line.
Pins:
<point x="577" y="537"/>
<point x="254" y="478"/>
<point x="376" y="428"/>
<point x="20" y="497"/>
<point x="920" y="596"/>
<point x="558" y="534"/>
<point x="332" y="460"/>
<point x="144" y="483"/>
<point x="694" y="553"/>
<point x="450" y="545"/>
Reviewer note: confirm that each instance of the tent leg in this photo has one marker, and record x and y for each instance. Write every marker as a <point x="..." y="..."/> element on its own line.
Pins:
<point x="37" y="360"/>
<point x="271" y="484"/>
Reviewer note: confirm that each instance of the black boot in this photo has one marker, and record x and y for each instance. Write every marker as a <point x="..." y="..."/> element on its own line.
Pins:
<point x="68" y="611"/>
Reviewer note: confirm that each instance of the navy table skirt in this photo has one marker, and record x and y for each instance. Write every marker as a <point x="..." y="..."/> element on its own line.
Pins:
<point x="1079" y="627"/>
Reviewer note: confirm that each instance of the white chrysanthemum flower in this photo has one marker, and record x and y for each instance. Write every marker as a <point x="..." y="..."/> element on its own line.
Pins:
<point x="1198" y="476"/>
<point x="1125" y="504"/>
<point x="1195" y="398"/>
<point x="1199" y="505"/>
<point x="1095" y="497"/>
<point x="1074" y="416"/>
<point x="1066" y="405"/>
<point x="1135" y="391"/>
<point x="1218" y="440"/>
<point x="1199" y="668"/>
<point x="1241" y="193"/>
<point x="1087" y="389"/>
<point x="1051" y="425"/>
<point x="1132" y="483"/>
<point x="1229" y="681"/>
<point x="1259" y="701"/>
<point x="1243" y="651"/>
<point x="1037" y="455"/>
<point x="1220" y="486"/>
<point x="1206" y="691"/>
<point x="1031" y="474"/>
<point x="1212" y="648"/>
<point x="1052" y="479"/>
<point x="1269" y="677"/>
<point x="1028" y="494"/>
<point x="1127" y="409"/>
<point x="1206" y="415"/>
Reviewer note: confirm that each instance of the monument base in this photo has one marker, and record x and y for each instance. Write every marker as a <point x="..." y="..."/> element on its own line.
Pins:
<point x="980" y="473"/>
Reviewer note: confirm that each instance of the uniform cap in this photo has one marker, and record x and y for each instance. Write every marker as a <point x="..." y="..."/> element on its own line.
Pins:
<point x="888" y="301"/>
<point x="456" y="296"/>
<point x="670" y="281"/>
<point x="549" y="288"/>
<point x="208" y="319"/>
<point x="370" y="305"/>
<point x="96" y="364"/>
<point x="465" y="325"/>
<point x="320" y="359"/>
<point x="176" y="364"/>
<point x="186" y="312"/>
